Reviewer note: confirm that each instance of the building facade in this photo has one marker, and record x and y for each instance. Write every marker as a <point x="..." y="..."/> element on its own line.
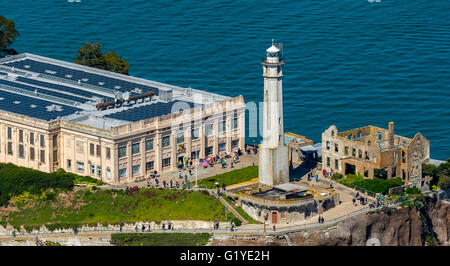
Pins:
<point x="105" y="125"/>
<point x="375" y="152"/>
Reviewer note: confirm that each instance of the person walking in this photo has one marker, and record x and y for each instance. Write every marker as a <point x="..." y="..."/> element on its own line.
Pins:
<point x="322" y="219"/>
<point x="317" y="178"/>
<point x="163" y="226"/>
<point x="274" y="227"/>
<point x="120" y="229"/>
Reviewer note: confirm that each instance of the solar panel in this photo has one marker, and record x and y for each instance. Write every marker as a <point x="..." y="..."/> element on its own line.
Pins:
<point x="75" y="75"/>
<point x="25" y="106"/>
<point x="62" y="88"/>
<point x="40" y="90"/>
<point x="147" y="111"/>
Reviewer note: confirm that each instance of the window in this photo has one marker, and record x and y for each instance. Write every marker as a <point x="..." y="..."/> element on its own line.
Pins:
<point x="149" y="166"/>
<point x="195" y="154"/>
<point x="135" y="148"/>
<point x="108" y="173"/>
<point x="332" y="133"/>
<point x="31" y="138"/>
<point x="328" y="145"/>
<point x="354" y="152"/>
<point x="395" y="156"/>
<point x="31" y="154"/>
<point x="80" y="166"/>
<point x="346" y="150"/>
<point x="21" y="151"/>
<point x="359" y="134"/>
<point x="55" y="155"/>
<point x="350" y="136"/>
<point x="336" y="147"/>
<point x="99" y="151"/>
<point x="149" y="145"/>
<point x="55" y="140"/>
<point x="20" y="135"/>
<point x="10" y="152"/>
<point x="366" y="173"/>
<point x="403" y="157"/>
<point x="136" y="169"/>
<point x="9" y="133"/>
<point x="122" y="151"/>
<point x="166" y="162"/>
<point x="108" y="153"/>
<point x="208" y="150"/>
<point x="42" y="142"/>
<point x="222" y="146"/>
<point x="194" y="133"/>
<point x="360" y="153"/>
<point x="235" y="123"/>
<point x="91" y="149"/>
<point x="92" y="169"/>
<point x="328" y="161"/>
<point x="235" y="144"/>
<point x="122" y="172"/>
<point x="42" y="156"/>
<point x="166" y="141"/>
<point x="99" y="171"/>
<point x="208" y="129"/>
<point x="336" y="164"/>
<point x="222" y="126"/>
<point x="69" y="163"/>
<point x="180" y="137"/>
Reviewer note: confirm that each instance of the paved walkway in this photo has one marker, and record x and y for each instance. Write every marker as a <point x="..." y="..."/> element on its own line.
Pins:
<point x="245" y="160"/>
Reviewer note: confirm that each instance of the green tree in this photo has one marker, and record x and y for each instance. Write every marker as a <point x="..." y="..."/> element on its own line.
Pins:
<point x="116" y="64"/>
<point x="90" y="54"/>
<point x="8" y="34"/>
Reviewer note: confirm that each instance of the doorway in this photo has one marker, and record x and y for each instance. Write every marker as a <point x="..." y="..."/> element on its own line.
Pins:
<point x="274" y="217"/>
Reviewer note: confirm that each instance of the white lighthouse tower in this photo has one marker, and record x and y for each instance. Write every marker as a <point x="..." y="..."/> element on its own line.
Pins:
<point x="273" y="156"/>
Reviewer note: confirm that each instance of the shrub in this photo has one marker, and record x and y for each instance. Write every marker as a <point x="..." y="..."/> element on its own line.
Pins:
<point x="413" y="190"/>
<point x="15" y="180"/>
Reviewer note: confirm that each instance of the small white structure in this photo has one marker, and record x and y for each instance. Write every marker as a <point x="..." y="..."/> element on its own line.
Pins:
<point x="273" y="156"/>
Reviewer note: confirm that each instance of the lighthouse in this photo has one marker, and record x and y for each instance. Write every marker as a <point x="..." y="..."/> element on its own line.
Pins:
<point x="273" y="156"/>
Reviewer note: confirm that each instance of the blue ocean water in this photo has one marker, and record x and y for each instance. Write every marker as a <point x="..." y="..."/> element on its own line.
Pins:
<point x="349" y="62"/>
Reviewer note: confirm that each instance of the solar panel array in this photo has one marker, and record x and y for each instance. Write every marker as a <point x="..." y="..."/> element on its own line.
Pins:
<point x="147" y="111"/>
<point x="40" y="90"/>
<point x="63" y="88"/>
<point x="24" y="105"/>
<point x="75" y="75"/>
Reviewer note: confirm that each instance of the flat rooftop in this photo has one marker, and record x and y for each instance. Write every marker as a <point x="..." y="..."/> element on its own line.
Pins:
<point x="49" y="89"/>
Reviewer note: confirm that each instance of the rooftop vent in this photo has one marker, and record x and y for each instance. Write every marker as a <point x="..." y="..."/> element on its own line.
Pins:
<point x="84" y="79"/>
<point x="54" y="107"/>
<point x="33" y="106"/>
<point x="101" y="83"/>
<point x="50" y="72"/>
<point x="68" y="76"/>
<point x="1" y="98"/>
<point x="26" y="66"/>
<point x="165" y="95"/>
<point x="16" y="102"/>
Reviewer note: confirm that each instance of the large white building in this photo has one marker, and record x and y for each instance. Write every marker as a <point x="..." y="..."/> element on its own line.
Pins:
<point x="110" y="126"/>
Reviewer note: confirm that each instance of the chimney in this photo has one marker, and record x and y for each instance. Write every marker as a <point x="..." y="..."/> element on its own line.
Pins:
<point x="391" y="134"/>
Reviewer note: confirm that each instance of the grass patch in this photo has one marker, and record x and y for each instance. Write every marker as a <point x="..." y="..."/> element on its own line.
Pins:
<point x="230" y="178"/>
<point x="16" y="180"/>
<point x="160" y="239"/>
<point x="375" y="185"/>
<point x="241" y="212"/>
<point x="117" y="207"/>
